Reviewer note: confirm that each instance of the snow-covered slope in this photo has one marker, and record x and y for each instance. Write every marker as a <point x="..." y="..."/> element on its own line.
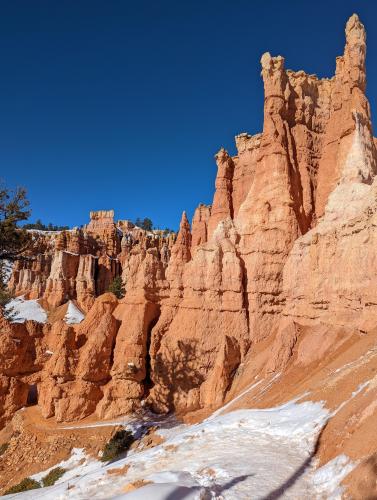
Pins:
<point x="73" y="315"/>
<point x="246" y="454"/>
<point x="22" y="310"/>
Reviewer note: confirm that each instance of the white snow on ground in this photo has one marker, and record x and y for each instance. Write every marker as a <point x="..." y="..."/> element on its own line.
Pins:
<point x="327" y="479"/>
<point x="22" y="310"/>
<point x="237" y="398"/>
<point x="166" y="486"/>
<point x="73" y="315"/>
<point x="128" y="422"/>
<point x="246" y="454"/>
<point x="360" y="388"/>
<point x="77" y="455"/>
<point x="42" y="231"/>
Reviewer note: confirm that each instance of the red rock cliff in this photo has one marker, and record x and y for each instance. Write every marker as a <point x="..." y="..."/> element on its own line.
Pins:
<point x="287" y="244"/>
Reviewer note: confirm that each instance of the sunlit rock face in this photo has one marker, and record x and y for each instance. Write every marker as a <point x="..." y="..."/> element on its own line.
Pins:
<point x="81" y="263"/>
<point x="290" y="235"/>
<point x="287" y="243"/>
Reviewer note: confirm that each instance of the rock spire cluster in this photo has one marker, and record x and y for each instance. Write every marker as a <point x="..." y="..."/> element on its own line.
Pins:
<point x="289" y="242"/>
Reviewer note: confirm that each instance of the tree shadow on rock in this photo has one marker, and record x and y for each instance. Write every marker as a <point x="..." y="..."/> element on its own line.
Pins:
<point x="177" y="369"/>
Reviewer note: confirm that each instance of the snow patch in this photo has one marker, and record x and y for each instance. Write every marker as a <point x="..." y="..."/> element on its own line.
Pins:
<point x="294" y="421"/>
<point x="42" y="231"/>
<point x="355" y="393"/>
<point x="250" y="453"/>
<point x="77" y="455"/>
<point x="22" y="310"/>
<point x="164" y="491"/>
<point x="232" y="401"/>
<point x="73" y="314"/>
<point x="327" y="478"/>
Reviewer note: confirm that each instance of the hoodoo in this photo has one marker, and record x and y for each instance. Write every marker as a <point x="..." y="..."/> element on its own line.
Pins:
<point x="271" y="289"/>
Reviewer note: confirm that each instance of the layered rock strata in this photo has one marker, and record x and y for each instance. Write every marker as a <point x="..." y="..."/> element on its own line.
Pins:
<point x="296" y="202"/>
<point x="81" y="263"/>
<point x="285" y="250"/>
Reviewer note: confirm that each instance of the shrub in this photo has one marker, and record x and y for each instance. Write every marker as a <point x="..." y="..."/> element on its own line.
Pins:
<point x="25" y="485"/>
<point x="145" y="224"/>
<point x="5" y="295"/>
<point x="119" y="443"/>
<point x="38" y="224"/>
<point x="53" y="476"/>
<point x="3" y="448"/>
<point x="116" y="287"/>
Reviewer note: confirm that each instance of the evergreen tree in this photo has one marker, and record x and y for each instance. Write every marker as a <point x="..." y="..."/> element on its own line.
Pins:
<point x="147" y="224"/>
<point x="117" y="288"/>
<point x="13" y="209"/>
<point x="38" y="224"/>
<point x="138" y="222"/>
<point x="5" y="296"/>
<point x="13" y="240"/>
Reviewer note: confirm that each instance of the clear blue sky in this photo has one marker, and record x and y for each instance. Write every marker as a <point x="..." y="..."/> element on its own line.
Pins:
<point x="122" y="104"/>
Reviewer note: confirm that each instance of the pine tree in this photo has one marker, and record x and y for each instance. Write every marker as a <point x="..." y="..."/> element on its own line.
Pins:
<point x="13" y="240"/>
<point x="5" y="295"/>
<point x="138" y="222"/>
<point x="13" y="209"/>
<point x="147" y="224"/>
<point x="117" y="288"/>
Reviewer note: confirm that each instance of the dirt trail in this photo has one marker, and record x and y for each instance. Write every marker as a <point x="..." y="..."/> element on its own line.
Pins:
<point x="36" y="443"/>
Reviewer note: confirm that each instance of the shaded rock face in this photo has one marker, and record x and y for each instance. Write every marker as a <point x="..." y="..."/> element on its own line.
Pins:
<point x="286" y="250"/>
<point x="204" y="310"/>
<point x="20" y="357"/>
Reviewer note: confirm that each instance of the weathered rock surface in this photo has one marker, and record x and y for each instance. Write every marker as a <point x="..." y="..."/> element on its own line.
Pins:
<point x="80" y="264"/>
<point x="200" y="226"/>
<point x="275" y="280"/>
<point x="297" y="201"/>
<point x="20" y="358"/>
<point x="206" y="300"/>
<point x="80" y="365"/>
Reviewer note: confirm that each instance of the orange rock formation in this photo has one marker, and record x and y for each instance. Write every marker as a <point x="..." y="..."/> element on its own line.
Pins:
<point x="276" y="271"/>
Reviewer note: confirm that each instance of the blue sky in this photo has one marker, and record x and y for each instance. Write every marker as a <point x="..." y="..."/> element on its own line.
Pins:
<point x="120" y="104"/>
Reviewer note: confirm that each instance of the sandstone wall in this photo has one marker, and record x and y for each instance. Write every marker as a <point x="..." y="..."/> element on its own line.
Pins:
<point x="287" y="246"/>
<point x="80" y="264"/>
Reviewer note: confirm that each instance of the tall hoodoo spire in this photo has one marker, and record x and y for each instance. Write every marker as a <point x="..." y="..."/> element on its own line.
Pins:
<point x="181" y="249"/>
<point x="222" y="206"/>
<point x="355" y="52"/>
